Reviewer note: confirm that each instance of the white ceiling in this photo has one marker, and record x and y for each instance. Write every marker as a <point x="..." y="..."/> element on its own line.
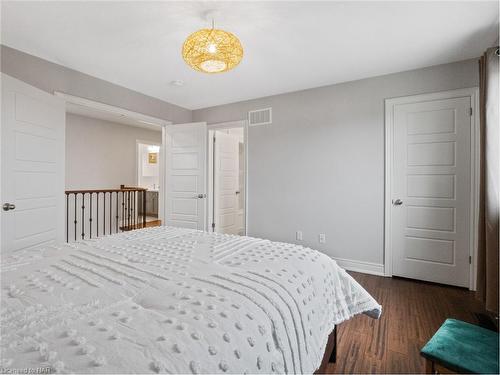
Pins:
<point x="288" y="45"/>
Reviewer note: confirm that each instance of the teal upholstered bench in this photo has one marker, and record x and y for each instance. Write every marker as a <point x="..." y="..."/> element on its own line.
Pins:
<point x="462" y="347"/>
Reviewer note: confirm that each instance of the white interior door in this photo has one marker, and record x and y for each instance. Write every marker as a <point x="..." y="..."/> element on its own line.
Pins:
<point x="226" y="186"/>
<point x="32" y="139"/>
<point x="186" y="150"/>
<point x="431" y="185"/>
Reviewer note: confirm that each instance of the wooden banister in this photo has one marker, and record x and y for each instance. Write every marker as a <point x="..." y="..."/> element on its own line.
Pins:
<point x="125" y="188"/>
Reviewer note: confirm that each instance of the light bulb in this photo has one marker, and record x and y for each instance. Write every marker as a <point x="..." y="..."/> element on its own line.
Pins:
<point x="212" y="48"/>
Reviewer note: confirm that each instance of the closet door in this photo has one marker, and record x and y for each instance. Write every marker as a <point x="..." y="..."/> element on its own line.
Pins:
<point x="431" y="188"/>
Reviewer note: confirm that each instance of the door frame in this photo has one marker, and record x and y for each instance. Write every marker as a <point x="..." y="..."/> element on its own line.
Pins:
<point x="162" y="190"/>
<point x="148" y="121"/>
<point x="210" y="203"/>
<point x="139" y="142"/>
<point x="390" y="105"/>
<point x="162" y="194"/>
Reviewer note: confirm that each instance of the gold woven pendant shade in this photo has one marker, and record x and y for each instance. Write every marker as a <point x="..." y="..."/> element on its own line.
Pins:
<point x="212" y="51"/>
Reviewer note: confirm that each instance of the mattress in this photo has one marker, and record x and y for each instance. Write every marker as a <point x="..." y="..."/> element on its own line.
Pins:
<point x="173" y="300"/>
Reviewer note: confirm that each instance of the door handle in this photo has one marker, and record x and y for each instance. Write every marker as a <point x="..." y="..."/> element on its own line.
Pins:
<point x="397" y="202"/>
<point x="8" y="206"/>
<point x="201" y="196"/>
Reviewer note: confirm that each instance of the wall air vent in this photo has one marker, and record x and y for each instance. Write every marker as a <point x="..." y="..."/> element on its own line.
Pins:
<point x="260" y="117"/>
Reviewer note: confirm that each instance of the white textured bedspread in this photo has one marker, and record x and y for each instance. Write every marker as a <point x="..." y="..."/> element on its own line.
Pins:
<point x="173" y="300"/>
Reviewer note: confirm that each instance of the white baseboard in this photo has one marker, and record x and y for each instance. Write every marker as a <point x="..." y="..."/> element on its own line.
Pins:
<point x="359" y="266"/>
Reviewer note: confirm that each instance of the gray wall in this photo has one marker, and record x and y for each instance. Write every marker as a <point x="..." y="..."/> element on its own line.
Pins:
<point x="319" y="167"/>
<point x="51" y="77"/>
<point x="102" y="154"/>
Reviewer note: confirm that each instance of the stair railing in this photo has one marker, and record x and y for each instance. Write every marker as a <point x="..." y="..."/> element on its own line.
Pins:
<point x="100" y="212"/>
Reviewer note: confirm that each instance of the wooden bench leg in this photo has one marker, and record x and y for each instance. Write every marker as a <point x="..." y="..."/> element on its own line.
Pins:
<point x="429" y="367"/>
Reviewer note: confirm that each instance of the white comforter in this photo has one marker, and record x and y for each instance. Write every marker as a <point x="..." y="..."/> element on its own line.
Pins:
<point x="176" y="301"/>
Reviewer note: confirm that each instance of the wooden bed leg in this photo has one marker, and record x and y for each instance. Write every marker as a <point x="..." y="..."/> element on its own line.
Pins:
<point x="330" y="355"/>
<point x="333" y="356"/>
<point x="429" y="367"/>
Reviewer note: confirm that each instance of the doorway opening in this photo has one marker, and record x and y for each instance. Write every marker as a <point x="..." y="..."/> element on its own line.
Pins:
<point x="148" y="177"/>
<point x="108" y="189"/>
<point x="227" y="178"/>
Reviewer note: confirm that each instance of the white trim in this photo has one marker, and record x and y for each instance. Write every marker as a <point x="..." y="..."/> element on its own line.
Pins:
<point x="360" y="266"/>
<point x="145" y="119"/>
<point x="247" y="143"/>
<point x="475" y="182"/>
<point x="162" y="191"/>
<point x="210" y="178"/>
<point x="226" y="125"/>
<point x="389" y="121"/>
<point x="473" y="93"/>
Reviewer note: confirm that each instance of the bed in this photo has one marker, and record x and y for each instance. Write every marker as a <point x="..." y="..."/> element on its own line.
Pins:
<point x="174" y="300"/>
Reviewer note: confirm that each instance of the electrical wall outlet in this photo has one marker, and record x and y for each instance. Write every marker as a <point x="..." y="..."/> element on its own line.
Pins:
<point x="298" y="235"/>
<point x="322" y="238"/>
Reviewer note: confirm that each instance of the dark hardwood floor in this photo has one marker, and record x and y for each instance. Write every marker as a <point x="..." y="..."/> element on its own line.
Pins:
<point x="149" y="224"/>
<point x="412" y="312"/>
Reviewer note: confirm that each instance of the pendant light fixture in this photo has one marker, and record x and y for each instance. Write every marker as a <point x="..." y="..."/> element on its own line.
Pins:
<point x="212" y="50"/>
